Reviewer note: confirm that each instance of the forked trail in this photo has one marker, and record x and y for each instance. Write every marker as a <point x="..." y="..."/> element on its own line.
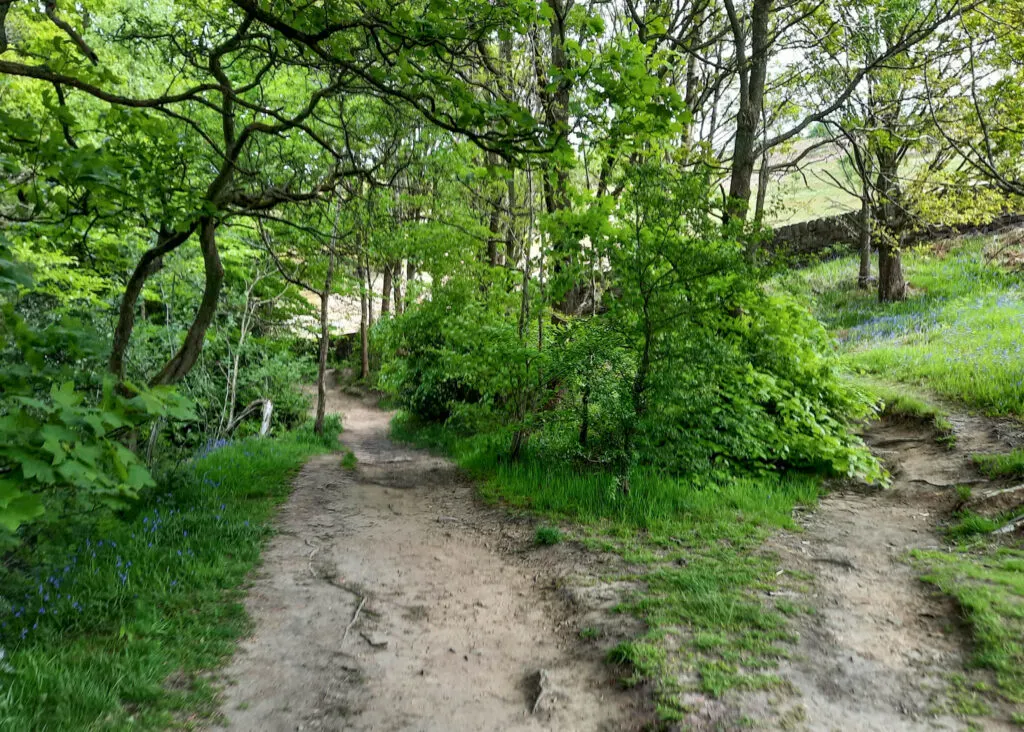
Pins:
<point x="392" y="599"/>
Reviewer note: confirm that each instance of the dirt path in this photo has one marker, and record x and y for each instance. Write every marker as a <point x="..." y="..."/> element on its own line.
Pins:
<point x="392" y="600"/>
<point x="878" y="652"/>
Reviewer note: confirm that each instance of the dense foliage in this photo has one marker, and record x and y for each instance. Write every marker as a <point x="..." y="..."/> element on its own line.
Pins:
<point x="532" y="223"/>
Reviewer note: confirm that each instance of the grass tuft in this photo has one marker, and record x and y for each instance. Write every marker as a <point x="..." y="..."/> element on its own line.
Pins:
<point x="1001" y="465"/>
<point x="547" y="536"/>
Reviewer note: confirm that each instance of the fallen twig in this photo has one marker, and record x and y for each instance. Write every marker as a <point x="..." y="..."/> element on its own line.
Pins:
<point x="355" y="617"/>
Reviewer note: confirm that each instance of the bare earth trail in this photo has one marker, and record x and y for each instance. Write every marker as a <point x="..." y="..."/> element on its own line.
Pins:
<point x="391" y="599"/>
<point x="878" y="652"/>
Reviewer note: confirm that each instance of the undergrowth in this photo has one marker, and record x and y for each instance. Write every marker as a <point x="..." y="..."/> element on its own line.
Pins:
<point x="710" y="627"/>
<point x="112" y="627"/>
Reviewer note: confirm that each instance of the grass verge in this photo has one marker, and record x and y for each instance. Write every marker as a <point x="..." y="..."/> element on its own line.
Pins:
<point x="987" y="581"/>
<point x="113" y="627"/>
<point x="711" y="627"/>
<point x="1001" y="465"/>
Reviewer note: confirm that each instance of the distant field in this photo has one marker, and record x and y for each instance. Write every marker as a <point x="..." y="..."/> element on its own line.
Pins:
<point x="810" y="193"/>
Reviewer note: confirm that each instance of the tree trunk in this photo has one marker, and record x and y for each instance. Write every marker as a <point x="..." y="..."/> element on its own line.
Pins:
<point x="753" y="74"/>
<point x="385" y="297"/>
<point x="369" y="294"/>
<point x="364" y="324"/>
<point x="891" y="285"/>
<point x="178" y="367"/>
<point x="149" y="264"/>
<point x="410" y="275"/>
<point x="864" y="276"/>
<point x="325" y="336"/>
<point x="396" y="283"/>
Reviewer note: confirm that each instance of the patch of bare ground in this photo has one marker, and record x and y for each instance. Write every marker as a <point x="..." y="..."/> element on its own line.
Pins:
<point x="878" y="647"/>
<point x="393" y="599"/>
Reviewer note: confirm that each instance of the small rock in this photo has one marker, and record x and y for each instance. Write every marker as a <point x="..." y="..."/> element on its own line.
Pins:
<point x="375" y="639"/>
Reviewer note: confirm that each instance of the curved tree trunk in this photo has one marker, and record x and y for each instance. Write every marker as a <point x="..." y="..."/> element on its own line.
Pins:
<point x="178" y="367"/>
<point x="149" y="264"/>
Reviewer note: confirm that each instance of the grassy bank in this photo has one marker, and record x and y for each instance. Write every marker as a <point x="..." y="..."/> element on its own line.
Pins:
<point x="957" y="334"/>
<point x="694" y="545"/>
<point x="113" y="625"/>
<point x="987" y="582"/>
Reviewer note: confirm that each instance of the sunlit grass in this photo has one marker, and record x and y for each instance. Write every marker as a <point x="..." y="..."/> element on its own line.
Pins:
<point x="988" y="584"/>
<point x="113" y="628"/>
<point x="958" y="334"/>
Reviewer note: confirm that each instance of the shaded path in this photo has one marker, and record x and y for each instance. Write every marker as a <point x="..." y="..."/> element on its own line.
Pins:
<point x="456" y="620"/>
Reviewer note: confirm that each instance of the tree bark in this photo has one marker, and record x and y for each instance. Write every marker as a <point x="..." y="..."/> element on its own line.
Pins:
<point x="891" y="285"/>
<point x="864" y="276"/>
<point x="410" y="275"/>
<point x="385" y="298"/>
<point x="178" y="367"/>
<point x="149" y="264"/>
<point x="396" y="283"/>
<point x="325" y="335"/>
<point x="364" y="325"/>
<point x="752" y="76"/>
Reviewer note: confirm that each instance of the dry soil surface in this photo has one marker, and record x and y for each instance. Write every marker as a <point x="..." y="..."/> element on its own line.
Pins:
<point x="878" y="652"/>
<point x="392" y="599"/>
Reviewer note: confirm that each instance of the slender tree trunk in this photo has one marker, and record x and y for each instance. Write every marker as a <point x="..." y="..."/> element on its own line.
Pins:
<point x="364" y="324"/>
<point x="864" y="276"/>
<point x="325" y="330"/>
<point x="178" y="367"/>
<point x="385" y="297"/>
<point x="585" y="419"/>
<point x="410" y="276"/>
<point x="396" y="283"/>
<point x="369" y="293"/>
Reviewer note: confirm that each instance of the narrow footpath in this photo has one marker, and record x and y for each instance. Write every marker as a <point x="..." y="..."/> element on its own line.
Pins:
<point x="392" y="599"/>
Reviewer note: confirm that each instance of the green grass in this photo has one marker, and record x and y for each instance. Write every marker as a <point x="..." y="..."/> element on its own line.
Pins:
<point x="113" y="628"/>
<point x="958" y="334"/>
<point x="547" y="536"/>
<point x="695" y="542"/>
<point x="1005" y="465"/>
<point x="988" y="584"/>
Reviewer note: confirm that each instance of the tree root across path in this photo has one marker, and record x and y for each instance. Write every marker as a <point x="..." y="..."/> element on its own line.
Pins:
<point x="447" y="619"/>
